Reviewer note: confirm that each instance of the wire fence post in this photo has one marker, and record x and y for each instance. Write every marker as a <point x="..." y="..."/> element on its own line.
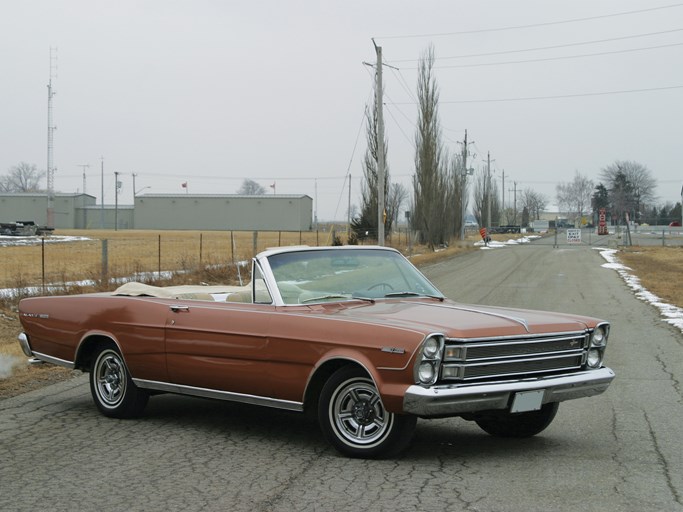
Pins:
<point x="232" y="248"/>
<point x="43" y="262"/>
<point x="159" y="258"/>
<point x="105" y="260"/>
<point x="201" y="240"/>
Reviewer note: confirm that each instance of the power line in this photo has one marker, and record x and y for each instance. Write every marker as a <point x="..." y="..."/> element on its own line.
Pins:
<point x="553" y="47"/>
<point x="558" y="96"/>
<point x="532" y="25"/>
<point x="412" y="144"/>
<point x="564" y="57"/>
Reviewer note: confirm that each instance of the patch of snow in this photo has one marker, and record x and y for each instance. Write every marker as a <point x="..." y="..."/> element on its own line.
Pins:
<point x="672" y="314"/>
<point x="493" y="244"/>
<point x="18" y="241"/>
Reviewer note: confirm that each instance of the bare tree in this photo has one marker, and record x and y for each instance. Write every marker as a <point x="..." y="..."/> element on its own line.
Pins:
<point x="23" y="177"/>
<point x="485" y="190"/>
<point x="574" y="198"/>
<point x="429" y="180"/>
<point x="455" y="191"/>
<point x="534" y="203"/>
<point x="638" y="175"/>
<point x="633" y="183"/>
<point x="397" y="197"/>
<point x="5" y="184"/>
<point x="251" y="188"/>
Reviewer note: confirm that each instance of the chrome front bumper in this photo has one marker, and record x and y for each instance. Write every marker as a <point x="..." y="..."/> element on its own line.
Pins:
<point x="451" y="400"/>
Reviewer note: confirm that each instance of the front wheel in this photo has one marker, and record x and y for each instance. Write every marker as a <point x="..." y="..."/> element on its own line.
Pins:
<point x="521" y="424"/>
<point x="112" y="389"/>
<point x="354" y="420"/>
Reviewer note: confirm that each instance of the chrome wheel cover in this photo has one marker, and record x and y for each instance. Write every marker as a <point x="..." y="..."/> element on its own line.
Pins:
<point x="357" y="414"/>
<point x="110" y="378"/>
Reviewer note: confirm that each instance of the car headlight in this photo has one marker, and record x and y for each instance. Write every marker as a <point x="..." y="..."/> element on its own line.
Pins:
<point x="429" y="360"/>
<point x="594" y="358"/>
<point x="431" y="347"/>
<point x="599" y="336"/>
<point x="426" y="372"/>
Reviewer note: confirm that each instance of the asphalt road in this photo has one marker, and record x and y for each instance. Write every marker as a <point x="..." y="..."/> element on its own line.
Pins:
<point x="620" y="451"/>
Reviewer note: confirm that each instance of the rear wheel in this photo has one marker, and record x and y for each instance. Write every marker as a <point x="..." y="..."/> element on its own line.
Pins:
<point x="521" y="424"/>
<point x="354" y="420"/>
<point x="112" y="389"/>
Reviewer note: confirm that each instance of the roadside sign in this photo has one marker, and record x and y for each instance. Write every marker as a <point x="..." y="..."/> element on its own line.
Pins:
<point x="573" y="236"/>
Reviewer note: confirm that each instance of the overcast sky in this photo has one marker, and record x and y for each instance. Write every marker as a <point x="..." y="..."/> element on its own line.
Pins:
<point x="213" y="92"/>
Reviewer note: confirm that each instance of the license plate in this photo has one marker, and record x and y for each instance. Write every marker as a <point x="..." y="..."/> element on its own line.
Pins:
<point x="527" y="401"/>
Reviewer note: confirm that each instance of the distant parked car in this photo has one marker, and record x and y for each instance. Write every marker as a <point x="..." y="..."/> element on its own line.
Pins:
<point x="355" y="334"/>
<point x="675" y="224"/>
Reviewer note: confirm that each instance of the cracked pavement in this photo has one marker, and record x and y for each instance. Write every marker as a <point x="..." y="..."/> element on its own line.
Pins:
<point x="620" y="451"/>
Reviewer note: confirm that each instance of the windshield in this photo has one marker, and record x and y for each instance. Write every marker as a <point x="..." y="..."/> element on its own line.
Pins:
<point x="307" y="277"/>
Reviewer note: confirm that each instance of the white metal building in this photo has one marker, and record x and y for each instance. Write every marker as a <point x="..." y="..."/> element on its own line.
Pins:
<point x="224" y="212"/>
<point x="166" y="211"/>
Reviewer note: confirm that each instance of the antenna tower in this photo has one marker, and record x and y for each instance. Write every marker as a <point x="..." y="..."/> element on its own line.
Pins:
<point x="50" y="143"/>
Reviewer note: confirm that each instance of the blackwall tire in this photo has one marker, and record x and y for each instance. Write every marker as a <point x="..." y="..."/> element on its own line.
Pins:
<point x="522" y="424"/>
<point x="112" y="388"/>
<point x="354" y="420"/>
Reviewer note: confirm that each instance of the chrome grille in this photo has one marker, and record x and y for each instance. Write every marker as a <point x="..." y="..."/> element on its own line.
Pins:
<point x="497" y="358"/>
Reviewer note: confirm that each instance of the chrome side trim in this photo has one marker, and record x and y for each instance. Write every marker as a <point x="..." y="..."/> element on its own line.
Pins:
<point x="454" y="400"/>
<point x="54" y="360"/>
<point x="181" y="389"/>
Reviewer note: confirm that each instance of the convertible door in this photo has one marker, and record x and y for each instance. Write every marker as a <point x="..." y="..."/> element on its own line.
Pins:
<point x="220" y="346"/>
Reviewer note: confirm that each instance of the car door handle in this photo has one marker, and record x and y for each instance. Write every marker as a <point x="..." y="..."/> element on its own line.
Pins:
<point x="180" y="309"/>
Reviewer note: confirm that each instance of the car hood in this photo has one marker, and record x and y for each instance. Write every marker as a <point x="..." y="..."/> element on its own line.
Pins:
<point x="456" y="320"/>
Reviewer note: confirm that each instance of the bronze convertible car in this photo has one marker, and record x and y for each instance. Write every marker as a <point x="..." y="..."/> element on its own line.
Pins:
<point x="356" y="334"/>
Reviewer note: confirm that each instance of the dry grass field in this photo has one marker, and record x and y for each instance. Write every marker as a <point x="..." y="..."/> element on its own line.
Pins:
<point x="132" y="253"/>
<point x="659" y="268"/>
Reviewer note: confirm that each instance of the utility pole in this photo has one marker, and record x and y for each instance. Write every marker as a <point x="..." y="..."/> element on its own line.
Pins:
<point x="102" y="196"/>
<point x="380" y="147"/>
<point x="116" y="200"/>
<point x="465" y="172"/>
<point x="134" y="189"/>
<point x="50" y="147"/>
<point x="503" y="194"/>
<point x="514" y="199"/>
<point x="488" y="190"/>
<point x="348" y="213"/>
<point x="84" y="166"/>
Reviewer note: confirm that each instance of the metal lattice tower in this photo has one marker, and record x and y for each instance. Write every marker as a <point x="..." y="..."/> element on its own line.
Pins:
<point x="50" y="143"/>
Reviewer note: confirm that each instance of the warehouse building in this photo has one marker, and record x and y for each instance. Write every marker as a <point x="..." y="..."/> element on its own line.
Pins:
<point x="227" y="212"/>
<point x="224" y="212"/>
<point x="69" y="209"/>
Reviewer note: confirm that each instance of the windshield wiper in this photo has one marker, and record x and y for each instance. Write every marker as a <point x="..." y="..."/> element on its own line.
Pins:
<point x="324" y="297"/>
<point x="333" y="296"/>
<point x="413" y="294"/>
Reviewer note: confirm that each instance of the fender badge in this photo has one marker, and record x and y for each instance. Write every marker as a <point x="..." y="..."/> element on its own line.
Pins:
<point x="393" y="350"/>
